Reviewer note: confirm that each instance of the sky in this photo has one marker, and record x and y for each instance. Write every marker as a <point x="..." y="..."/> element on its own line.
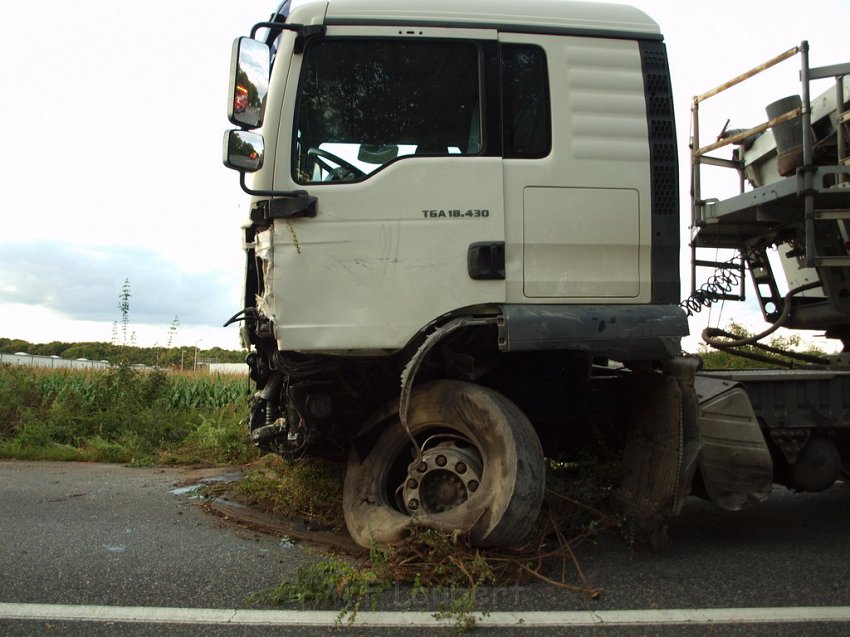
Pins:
<point x="111" y="167"/>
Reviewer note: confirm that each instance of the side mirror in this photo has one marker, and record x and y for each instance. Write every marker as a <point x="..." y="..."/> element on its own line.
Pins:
<point x="243" y="150"/>
<point x="250" y="67"/>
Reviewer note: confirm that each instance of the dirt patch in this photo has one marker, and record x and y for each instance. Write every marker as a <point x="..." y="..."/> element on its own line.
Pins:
<point x="212" y="487"/>
<point x="189" y="475"/>
<point x="250" y="516"/>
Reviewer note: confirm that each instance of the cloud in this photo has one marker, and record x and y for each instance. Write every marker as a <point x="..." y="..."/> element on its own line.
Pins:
<point x="84" y="283"/>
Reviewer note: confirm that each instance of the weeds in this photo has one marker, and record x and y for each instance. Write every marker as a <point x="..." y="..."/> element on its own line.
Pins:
<point x="429" y="560"/>
<point x="352" y="586"/>
<point x="460" y="612"/>
<point x="220" y="437"/>
<point x="332" y="582"/>
<point x="311" y="491"/>
<point x="121" y="415"/>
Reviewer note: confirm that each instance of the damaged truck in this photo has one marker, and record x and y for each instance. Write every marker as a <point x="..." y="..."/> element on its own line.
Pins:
<point x="463" y="258"/>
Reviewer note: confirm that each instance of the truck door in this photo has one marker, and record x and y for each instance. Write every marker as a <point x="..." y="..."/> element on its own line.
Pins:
<point x="389" y="129"/>
<point x="575" y="196"/>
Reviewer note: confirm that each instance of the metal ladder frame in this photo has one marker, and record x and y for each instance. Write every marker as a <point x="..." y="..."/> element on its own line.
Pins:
<point x="805" y="174"/>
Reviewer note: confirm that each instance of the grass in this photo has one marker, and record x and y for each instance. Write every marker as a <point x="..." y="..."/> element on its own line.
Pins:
<point x="122" y="415"/>
<point x="310" y="490"/>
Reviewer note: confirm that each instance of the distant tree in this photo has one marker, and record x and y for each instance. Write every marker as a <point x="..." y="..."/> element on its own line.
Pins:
<point x="124" y="307"/>
<point x="118" y="353"/>
<point x="172" y="331"/>
<point x="54" y="348"/>
<point x="10" y="346"/>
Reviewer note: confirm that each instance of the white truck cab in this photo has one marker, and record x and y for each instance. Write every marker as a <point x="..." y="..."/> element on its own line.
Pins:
<point x="479" y="196"/>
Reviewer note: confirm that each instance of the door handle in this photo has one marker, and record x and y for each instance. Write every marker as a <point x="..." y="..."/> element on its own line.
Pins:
<point x="485" y="260"/>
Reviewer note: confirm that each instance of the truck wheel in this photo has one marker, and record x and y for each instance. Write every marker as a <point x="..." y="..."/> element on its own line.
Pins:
<point x="480" y="470"/>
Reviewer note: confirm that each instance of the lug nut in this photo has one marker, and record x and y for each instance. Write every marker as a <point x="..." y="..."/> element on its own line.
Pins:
<point x="460" y="468"/>
<point x="412" y="484"/>
<point x="422" y="468"/>
<point x="413" y="505"/>
<point x="441" y="461"/>
<point x="473" y="485"/>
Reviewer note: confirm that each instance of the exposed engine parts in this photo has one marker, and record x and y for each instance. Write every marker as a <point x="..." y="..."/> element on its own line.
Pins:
<point x="285" y="436"/>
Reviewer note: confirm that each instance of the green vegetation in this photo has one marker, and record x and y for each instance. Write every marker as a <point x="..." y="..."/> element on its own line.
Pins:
<point x="122" y="415"/>
<point x="718" y="359"/>
<point x="440" y="568"/>
<point x="335" y="582"/>
<point x="429" y="561"/>
<point x="309" y="490"/>
<point x="172" y="358"/>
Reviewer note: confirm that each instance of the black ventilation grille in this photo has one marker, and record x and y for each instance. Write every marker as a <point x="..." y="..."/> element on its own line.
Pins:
<point x="664" y="168"/>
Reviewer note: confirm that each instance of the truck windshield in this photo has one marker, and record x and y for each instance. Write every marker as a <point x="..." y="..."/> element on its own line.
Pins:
<point x="363" y="103"/>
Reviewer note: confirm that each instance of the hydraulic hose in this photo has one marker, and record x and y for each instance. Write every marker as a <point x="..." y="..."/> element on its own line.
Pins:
<point x="710" y="334"/>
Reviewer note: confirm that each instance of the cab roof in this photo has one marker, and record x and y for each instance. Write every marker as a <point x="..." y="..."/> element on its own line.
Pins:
<point x="562" y="17"/>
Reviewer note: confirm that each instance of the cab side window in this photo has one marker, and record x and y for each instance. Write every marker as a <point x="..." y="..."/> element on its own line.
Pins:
<point x="526" y="114"/>
<point x="364" y="103"/>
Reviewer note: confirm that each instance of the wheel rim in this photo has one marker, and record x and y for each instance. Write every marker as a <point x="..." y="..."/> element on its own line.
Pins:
<point x="465" y="422"/>
<point x="447" y="472"/>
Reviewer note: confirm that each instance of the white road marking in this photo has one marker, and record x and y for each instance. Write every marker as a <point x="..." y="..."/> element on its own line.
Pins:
<point x="240" y="617"/>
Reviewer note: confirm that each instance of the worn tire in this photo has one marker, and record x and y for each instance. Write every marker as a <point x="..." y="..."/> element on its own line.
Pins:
<point x="501" y="512"/>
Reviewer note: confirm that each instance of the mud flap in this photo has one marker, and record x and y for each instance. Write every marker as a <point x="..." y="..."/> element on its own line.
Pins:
<point x="735" y="463"/>
<point x="661" y="449"/>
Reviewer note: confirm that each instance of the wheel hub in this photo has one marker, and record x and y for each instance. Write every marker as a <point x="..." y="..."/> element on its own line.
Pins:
<point x="445" y="476"/>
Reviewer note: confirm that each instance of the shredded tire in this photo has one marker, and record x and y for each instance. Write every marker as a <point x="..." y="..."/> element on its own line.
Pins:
<point x="501" y="512"/>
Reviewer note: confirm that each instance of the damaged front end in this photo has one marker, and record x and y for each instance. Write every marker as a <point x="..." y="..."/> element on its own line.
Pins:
<point x="276" y="419"/>
<point x="310" y="404"/>
<point x="304" y="403"/>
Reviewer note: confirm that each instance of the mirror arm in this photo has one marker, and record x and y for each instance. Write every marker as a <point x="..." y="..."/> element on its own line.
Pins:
<point x="304" y="32"/>
<point x="299" y="205"/>
<point x="294" y="203"/>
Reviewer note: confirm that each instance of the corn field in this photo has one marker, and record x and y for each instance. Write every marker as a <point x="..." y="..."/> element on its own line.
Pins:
<point x="122" y="414"/>
<point x="200" y="391"/>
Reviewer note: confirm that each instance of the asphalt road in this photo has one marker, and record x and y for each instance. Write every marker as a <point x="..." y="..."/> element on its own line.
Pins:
<point x="90" y="539"/>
